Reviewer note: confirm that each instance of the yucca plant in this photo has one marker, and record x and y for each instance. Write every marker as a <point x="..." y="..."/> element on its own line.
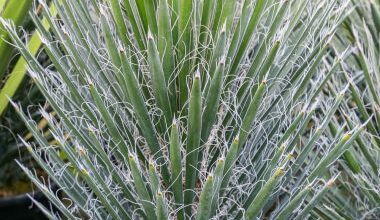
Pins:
<point x="14" y="85"/>
<point x="188" y="109"/>
<point x="359" y="195"/>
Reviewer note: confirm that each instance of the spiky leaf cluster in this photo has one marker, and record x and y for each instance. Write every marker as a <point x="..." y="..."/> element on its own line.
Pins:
<point x="360" y="70"/>
<point x="187" y="109"/>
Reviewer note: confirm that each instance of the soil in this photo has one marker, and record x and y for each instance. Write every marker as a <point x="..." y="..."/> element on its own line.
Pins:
<point x="15" y="189"/>
<point x="21" y="186"/>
